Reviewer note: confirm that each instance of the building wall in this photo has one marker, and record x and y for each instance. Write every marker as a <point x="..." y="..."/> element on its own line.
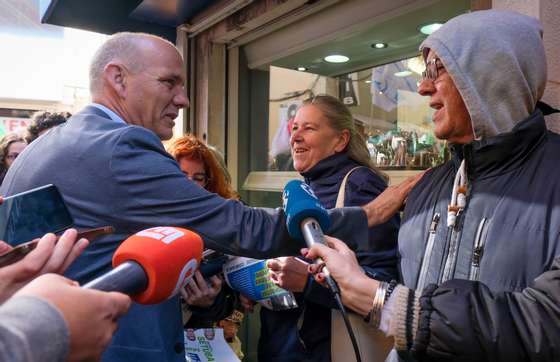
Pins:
<point x="548" y="12"/>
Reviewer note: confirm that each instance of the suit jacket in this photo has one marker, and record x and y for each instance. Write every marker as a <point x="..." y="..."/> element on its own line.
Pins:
<point x="112" y="173"/>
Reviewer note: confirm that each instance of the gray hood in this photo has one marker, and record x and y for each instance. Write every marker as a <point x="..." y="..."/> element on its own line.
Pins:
<point x="497" y="61"/>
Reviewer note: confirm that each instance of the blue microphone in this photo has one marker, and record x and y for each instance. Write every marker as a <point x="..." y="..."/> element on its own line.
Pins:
<point x="300" y="203"/>
<point x="306" y="218"/>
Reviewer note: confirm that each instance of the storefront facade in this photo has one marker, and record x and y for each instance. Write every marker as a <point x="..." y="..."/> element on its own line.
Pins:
<point x="245" y="81"/>
<point x="250" y="63"/>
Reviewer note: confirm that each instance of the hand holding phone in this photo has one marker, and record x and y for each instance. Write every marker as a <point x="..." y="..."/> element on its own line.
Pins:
<point x="13" y="255"/>
<point x="4" y="247"/>
<point x="47" y="256"/>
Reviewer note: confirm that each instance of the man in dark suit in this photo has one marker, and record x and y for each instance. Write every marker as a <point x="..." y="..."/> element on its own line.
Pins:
<point x="111" y="167"/>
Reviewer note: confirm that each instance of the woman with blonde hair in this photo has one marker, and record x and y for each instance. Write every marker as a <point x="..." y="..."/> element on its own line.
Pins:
<point x="332" y="157"/>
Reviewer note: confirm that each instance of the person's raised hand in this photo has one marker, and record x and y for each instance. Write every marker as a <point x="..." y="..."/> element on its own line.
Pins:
<point x="390" y="201"/>
<point x="289" y="273"/>
<point x="91" y="315"/>
<point x="49" y="256"/>
<point x="199" y="293"/>
<point x="357" y="289"/>
<point x="247" y="304"/>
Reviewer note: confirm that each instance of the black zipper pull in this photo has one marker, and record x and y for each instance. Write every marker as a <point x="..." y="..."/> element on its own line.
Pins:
<point x="477" y="255"/>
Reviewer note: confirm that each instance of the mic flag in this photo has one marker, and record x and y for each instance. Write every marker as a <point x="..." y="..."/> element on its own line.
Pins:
<point x="153" y="265"/>
<point x="300" y="203"/>
<point x="168" y="255"/>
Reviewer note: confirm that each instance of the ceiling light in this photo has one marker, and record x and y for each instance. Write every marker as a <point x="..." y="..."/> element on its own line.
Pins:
<point x="430" y="28"/>
<point x="404" y="73"/>
<point x="368" y="81"/>
<point x="336" y="58"/>
<point x="301" y="69"/>
<point x="379" y="45"/>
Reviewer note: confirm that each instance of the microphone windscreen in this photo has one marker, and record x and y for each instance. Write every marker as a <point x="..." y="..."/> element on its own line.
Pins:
<point x="299" y="203"/>
<point x="168" y="255"/>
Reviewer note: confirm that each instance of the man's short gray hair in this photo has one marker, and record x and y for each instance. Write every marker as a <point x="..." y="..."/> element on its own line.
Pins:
<point x="125" y="47"/>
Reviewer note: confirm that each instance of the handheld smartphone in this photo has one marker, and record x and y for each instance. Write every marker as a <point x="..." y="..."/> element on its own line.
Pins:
<point x="20" y="251"/>
<point x="31" y="214"/>
<point x="212" y="263"/>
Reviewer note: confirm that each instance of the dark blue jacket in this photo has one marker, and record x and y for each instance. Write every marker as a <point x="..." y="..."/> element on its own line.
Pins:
<point x="280" y="338"/>
<point x="112" y="173"/>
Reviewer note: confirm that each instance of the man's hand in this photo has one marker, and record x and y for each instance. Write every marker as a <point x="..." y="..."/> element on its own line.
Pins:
<point x="91" y="315"/>
<point x="289" y="273"/>
<point x="49" y="256"/>
<point x="390" y="201"/>
<point x="201" y="294"/>
<point x="356" y="288"/>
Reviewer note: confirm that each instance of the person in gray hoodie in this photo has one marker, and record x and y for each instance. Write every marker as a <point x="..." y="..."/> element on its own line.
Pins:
<point x="479" y="243"/>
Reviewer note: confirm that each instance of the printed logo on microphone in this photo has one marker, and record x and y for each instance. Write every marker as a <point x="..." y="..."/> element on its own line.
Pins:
<point x="285" y="196"/>
<point x="166" y="234"/>
<point x="305" y="187"/>
<point x="185" y="276"/>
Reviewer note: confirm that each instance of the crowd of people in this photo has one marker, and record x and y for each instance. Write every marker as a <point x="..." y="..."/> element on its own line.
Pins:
<point x="470" y="273"/>
<point x="12" y="144"/>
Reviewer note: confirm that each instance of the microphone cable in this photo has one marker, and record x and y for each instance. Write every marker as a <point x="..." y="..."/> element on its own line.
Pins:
<point x="333" y="287"/>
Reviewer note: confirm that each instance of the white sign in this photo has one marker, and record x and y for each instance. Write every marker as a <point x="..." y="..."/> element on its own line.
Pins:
<point x="14" y="124"/>
<point x="208" y="345"/>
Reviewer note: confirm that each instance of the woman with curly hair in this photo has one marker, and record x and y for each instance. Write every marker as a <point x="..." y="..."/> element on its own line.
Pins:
<point x="10" y="147"/>
<point x="201" y="164"/>
<point x="209" y="304"/>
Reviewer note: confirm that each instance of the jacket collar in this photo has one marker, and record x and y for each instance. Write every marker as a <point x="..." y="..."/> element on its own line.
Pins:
<point x="89" y="109"/>
<point x="502" y="153"/>
<point x="327" y="167"/>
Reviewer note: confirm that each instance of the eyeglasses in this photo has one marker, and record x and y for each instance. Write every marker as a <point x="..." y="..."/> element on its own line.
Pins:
<point x="12" y="156"/>
<point x="199" y="178"/>
<point x="432" y="69"/>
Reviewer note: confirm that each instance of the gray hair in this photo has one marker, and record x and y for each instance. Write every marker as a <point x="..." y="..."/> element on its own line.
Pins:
<point x="340" y="118"/>
<point x="125" y="47"/>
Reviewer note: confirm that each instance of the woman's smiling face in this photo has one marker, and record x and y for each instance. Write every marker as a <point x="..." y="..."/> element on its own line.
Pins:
<point x="313" y="139"/>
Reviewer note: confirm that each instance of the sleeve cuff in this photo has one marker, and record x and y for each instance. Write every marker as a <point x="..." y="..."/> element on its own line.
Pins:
<point x="403" y="323"/>
<point x="41" y="329"/>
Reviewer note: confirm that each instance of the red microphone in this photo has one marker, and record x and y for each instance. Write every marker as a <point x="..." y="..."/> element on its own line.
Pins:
<point x="153" y="265"/>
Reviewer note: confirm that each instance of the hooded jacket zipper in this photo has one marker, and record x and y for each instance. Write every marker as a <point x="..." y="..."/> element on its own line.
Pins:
<point x="478" y="249"/>
<point x="454" y="239"/>
<point x="452" y="251"/>
<point x="428" y="252"/>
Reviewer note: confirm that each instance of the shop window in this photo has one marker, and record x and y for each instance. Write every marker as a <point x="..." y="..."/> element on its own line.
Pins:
<point x="395" y="120"/>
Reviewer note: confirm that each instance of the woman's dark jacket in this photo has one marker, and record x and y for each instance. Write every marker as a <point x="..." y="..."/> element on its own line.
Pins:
<point x="280" y="340"/>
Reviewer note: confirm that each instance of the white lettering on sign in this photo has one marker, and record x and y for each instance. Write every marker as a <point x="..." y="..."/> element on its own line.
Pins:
<point x="163" y="233"/>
